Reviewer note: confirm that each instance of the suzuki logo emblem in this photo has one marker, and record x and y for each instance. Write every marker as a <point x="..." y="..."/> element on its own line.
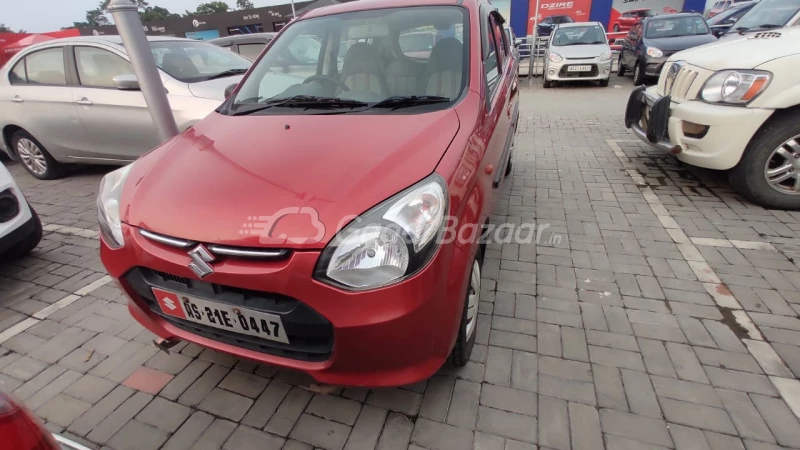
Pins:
<point x="201" y="258"/>
<point x="169" y="303"/>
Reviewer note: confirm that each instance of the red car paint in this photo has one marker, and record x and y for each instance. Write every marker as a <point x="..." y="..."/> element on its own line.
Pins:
<point x="201" y="185"/>
<point x="628" y="19"/>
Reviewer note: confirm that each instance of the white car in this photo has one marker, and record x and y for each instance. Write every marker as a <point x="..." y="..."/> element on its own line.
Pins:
<point x="20" y="227"/>
<point x="731" y="105"/>
<point x="577" y="52"/>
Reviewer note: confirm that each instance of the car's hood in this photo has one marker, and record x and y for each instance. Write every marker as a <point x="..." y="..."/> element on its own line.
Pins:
<point x="678" y="43"/>
<point x="743" y="52"/>
<point x="213" y="89"/>
<point x="228" y="179"/>
<point x="580" y="51"/>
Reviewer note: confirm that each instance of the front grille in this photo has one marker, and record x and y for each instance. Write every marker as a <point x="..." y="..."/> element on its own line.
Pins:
<point x="9" y="206"/>
<point x="563" y="73"/>
<point x="678" y="87"/>
<point x="310" y="335"/>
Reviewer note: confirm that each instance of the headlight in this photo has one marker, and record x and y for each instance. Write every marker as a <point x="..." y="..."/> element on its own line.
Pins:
<point x="108" y="206"/>
<point x="735" y="87"/>
<point x="556" y="58"/>
<point x="390" y="242"/>
<point x="654" y="52"/>
<point x="606" y="56"/>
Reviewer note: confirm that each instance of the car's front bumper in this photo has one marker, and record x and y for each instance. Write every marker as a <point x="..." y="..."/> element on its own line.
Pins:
<point x="653" y="66"/>
<point x="662" y="123"/>
<point x="384" y="337"/>
<point x="600" y="70"/>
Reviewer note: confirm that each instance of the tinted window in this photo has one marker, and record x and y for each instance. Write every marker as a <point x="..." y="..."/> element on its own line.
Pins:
<point x="775" y="12"/>
<point x="251" y="51"/>
<point x="677" y="26"/>
<point x="562" y="19"/>
<point x="46" y="67"/>
<point x="579" y="36"/>
<point x="17" y="74"/>
<point x="491" y="64"/>
<point x="98" y="67"/>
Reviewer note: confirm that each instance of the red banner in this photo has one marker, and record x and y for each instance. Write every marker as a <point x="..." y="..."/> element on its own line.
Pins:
<point x="578" y="10"/>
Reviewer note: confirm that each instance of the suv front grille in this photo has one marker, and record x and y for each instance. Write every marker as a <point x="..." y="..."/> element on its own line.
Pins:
<point x="310" y="335"/>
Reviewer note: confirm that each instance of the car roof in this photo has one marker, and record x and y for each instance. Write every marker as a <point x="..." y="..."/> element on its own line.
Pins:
<point x="577" y="24"/>
<point x="363" y="5"/>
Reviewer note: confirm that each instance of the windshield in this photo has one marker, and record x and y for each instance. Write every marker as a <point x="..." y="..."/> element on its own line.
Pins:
<point x="191" y="61"/>
<point x="677" y="26"/>
<point x="587" y="35"/>
<point x="364" y="56"/>
<point x="770" y="12"/>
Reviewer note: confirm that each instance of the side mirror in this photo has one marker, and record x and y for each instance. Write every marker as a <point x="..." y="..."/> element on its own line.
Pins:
<point x="229" y="90"/>
<point x="126" y="82"/>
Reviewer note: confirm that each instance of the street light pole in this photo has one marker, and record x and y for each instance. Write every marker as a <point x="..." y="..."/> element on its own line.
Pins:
<point x="130" y="28"/>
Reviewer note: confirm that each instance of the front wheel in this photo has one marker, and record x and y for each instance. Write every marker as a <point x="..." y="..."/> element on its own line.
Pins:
<point x="35" y="158"/>
<point x="638" y="75"/>
<point x="465" y="340"/>
<point x="769" y="172"/>
<point x="547" y="84"/>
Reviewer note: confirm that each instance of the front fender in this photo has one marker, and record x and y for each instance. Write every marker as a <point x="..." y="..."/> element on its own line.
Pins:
<point x="784" y="89"/>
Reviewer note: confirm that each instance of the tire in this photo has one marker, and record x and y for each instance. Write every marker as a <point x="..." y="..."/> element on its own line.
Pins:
<point x="466" y="341"/>
<point x="603" y="83"/>
<point x="620" y="67"/>
<point x="638" y="75"/>
<point x="30" y="242"/>
<point x="547" y="84"/>
<point x="616" y="28"/>
<point x="749" y="177"/>
<point x="509" y="166"/>
<point x="35" y="158"/>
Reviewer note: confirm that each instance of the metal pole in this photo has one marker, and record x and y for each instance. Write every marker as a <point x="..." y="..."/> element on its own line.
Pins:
<point x="129" y="26"/>
<point x="293" y="15"/>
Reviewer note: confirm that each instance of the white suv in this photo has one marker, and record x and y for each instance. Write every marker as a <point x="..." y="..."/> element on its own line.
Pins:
<point x="731" y="105"/>
<point x="20" y="227"/>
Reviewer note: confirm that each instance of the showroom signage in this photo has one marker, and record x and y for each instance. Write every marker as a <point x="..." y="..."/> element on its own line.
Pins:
<point x="578" y="10"/>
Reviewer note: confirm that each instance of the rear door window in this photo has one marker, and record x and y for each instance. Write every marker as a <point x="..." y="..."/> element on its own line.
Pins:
<point x="98" y="67"/>
<point x="46" y="67"/>
<point x="17" y="74"/>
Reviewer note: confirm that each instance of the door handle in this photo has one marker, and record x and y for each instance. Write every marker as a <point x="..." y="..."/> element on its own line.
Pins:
<point x="17" y="99"/>
<point x="84" y="102"/>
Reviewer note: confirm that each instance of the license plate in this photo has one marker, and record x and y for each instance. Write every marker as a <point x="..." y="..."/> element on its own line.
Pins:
<point x="579" y="69"/>
<point x="222" y="316"/>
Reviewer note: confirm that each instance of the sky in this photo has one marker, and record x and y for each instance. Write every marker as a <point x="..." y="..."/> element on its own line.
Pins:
<point x="49" y="15"/>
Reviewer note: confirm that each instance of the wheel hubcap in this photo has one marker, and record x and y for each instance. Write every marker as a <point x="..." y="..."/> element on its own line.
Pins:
<point x="783" y="167"/>
<point x="636" y="72"/>
<point x="31" y="155"/>
<point x="472" y="299"/>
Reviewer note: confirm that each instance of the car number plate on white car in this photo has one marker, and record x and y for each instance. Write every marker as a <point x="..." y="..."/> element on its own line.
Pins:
<point x="221" y="315"/>
<point x="579" y="69"/>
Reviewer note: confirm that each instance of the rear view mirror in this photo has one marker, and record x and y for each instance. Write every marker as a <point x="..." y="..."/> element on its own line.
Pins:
<point x="229" y="90"/>
<point x="126" y="82"/>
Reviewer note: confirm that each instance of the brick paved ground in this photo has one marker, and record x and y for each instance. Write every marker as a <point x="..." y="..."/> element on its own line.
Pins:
<point x="657" y="311"/>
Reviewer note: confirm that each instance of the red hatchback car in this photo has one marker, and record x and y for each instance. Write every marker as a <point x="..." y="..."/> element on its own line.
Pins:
<point x="326" y="218"/>
<point x="630" y="18"/>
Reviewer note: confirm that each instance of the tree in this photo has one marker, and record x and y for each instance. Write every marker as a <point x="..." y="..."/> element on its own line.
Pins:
<point x="157" y="13"/>
<point x="205" y="9"/>
<point x="6" y="29"/>
<point x="244" y="4"/>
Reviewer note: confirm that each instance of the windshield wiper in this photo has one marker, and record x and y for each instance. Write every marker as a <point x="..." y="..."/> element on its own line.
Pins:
<point x="763" y="26"/>
<point x="406" y="101"/>
<point x="303" y="101"/>
<point x="226" y="73"/>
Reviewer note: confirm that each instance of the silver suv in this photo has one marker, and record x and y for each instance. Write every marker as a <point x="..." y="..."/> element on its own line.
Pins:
<point x="77" y="100"/>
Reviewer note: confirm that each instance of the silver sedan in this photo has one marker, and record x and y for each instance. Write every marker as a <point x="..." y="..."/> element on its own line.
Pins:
<point x="77" y="100"/>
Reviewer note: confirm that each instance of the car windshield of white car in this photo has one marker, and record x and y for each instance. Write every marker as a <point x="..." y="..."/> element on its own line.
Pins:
<point x="675" y="27"/>
<point x="769" y="12"/>
<point x="191" y="62"/>
<point x="588" y="35"/>
<point x="410" y="58"/>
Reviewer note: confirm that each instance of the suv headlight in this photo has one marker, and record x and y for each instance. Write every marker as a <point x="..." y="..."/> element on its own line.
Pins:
<point x="108" y="206"/>
<point x="556" y="58"/>
<point x="606" y="56"/>
<point x="735" y="87"/>
<point x="390" y="242"/>
<point x="654" y="52"/>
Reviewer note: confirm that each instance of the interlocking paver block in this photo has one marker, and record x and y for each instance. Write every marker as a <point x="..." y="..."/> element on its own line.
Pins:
<point x="510" y="425"/>
<point x="246" y="438"/>
<point x="640" y="393"/>
<point x="396" y="433"/>
<point x="368" y="427"/>
<point x="554" y="429"/>
<point x="745" y="416"/>
<point x="334" y="408"/>
<point x="779" y="418"/>
<point x="508" y="399"/>
<point x="320" y="432"/>
<point x="438" y="436"/>
<point x="164" y="414"/>
<point x="62" y="410"/>
<point x="401" y="400"/>
<point x="696" y="415"/>
<point x="215" y="435"/>
<point x="228" y="405"/>
<point x="290" y="409"/>
<point x="111" y="424"/>
<point x="585" y="429"/>
<point x="189" y="432"/>
<point x="138" y="436"/>
<point x="645" y="429"/>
